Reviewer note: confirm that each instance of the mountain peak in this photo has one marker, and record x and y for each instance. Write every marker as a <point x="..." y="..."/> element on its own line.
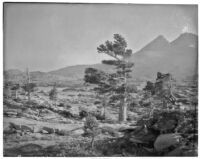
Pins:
<point x="160" y="39"/>
<point x="160" y="42"/>
<point x="188" y="34"/>
<point x="186" y="40"/>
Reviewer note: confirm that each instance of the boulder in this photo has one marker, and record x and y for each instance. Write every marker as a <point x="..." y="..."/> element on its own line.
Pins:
<point x="65" y="113"/>
<point x="37" y="129"/>
<point x="26" y="128"/>
<point x="14" y="126"/>
<point x="78" y="132"/>
<point x="109" y="131"/>
<point x="44" y="132"/>
<point x="127" y="129"/>
<point x="141" y="134"/>
<point x="12" y="103"/>
<point x="48" y="129"/>
<point x="8" y="130"/>
<point x="61" y="105"/>
<point x="62" y="132"/>
<point x="11" y="113"/>
<point x="164" y="141"/>
<point x="30" y="111"/>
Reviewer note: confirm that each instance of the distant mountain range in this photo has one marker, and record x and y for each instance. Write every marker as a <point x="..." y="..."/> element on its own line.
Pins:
<point x="179" y="57"/>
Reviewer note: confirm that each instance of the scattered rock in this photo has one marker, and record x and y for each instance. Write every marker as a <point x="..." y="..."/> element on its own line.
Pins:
<point x="12" y="103"/>
<point x="62" y="132"/>
<point x="11" y="113"/>
<point x="8" y="130"/>
<point x="44" y="132"/>
<point x="30" y="116"/>
<point x="48" y="130"/>
<point x="127" y="129"/>
<point x="23" y="128"/>
<point x="109" y="131"/>
<point x="30" y="111"/>
<point x="26" y="128"/>
<point x="14" y="126"/>
<point x="37" y="129"/>
<point x="78" y="132"/>
<point x="61" y="105"/>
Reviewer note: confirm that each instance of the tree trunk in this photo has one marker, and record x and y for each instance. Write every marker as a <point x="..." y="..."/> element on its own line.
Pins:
<point x="15" y="94"/>
<point x="104" y="111"/>
<point x="55" y="103"/>
<point x="123" y="103"/>
<point x="52" y="102"/>
<point x="123" y="112"/>
<point x="28" y="81"/>
<point x="92" y="142"/>
<point x="164" y="104"/>
<point x="104" y="107"/>
<point x="29" y="96"/>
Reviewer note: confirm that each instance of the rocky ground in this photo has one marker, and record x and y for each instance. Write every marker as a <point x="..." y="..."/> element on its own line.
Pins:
<point x="32" y="128"/>
<point x="41" y="128"/>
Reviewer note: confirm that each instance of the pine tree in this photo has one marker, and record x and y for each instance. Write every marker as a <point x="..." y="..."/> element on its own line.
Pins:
<point x="91" y="128"/>
<point x="118" y="50"/>
<point x="115" y="83"/>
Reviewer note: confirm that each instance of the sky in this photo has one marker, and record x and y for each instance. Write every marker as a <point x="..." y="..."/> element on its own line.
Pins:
<point x="45" y="37"/>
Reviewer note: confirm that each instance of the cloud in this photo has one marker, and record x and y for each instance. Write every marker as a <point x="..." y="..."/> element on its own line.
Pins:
<point x="185" y="29"/>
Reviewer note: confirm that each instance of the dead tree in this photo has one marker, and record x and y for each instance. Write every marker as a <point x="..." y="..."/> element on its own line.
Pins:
<point x="28" y="86"/>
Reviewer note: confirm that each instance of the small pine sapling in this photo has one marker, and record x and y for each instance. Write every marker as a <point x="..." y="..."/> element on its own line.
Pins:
<point x="91" y="128"/>
<point x="29" y="87"/>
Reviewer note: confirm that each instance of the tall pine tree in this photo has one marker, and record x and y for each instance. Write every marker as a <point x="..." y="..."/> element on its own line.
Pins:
<point x="114" y="84"/>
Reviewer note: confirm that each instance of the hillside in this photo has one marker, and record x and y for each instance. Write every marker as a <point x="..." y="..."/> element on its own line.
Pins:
<point x="72" y="75"/>
<point x="77" y="72"/>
